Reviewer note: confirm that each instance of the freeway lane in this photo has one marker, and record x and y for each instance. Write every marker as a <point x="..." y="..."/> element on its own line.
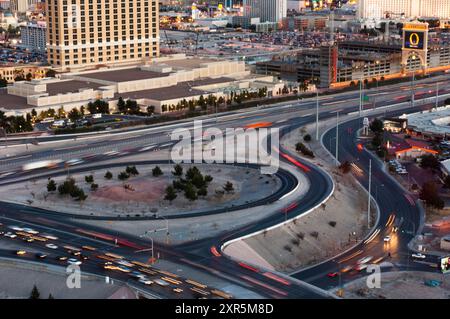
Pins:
<point x="392" y="200"/>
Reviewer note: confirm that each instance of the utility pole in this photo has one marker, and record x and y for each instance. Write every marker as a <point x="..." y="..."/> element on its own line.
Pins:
<point x="412" y="89"/>
<point x="370" y="192"/>
<point x="337" y="138"/>
<point x="360" y="97"/>
<point x="317" y="116"/>
<point x="437" y="95"/>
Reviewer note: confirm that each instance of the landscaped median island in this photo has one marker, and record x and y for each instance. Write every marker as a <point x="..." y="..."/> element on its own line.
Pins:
<point x="145" y="190"/>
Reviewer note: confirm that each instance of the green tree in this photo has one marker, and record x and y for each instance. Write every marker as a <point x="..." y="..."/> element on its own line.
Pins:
<point x="94" y="186"/>
<point x="150" y="109"/>
<point x="74" y="115"/>
<point x="228" y="187"/>
<point x="89" y="179"/>
<point x="177" y="170"/>
<point x="430" y="194"/>
<point x="108" y="175"/>
<point x="170" y="193"/>
<point x="35" y="294"/>
<point x="51" y="186"/>
<point x="430" y="161"/>
<point x="121" y="106"/>
<point x="202" y="191"/>
<point x="132" y="170"/>
<point x="190" y="192"/>
<point x="377" y="126"/>
<point x="157" y="171"/>
<point x="50" y="73"/>
<point x="123" y="176"/>
<point x="3" y="83"/>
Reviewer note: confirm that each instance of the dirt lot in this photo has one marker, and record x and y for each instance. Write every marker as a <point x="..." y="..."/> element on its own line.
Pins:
<point x="401" y="285"/>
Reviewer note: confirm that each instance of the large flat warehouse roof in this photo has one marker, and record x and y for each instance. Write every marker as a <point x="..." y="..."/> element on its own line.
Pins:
<point x="124" y="75"/>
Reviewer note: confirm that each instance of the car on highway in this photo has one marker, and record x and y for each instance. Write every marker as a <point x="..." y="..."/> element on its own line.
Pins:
<point x="73" y="261"/>
<point x="75" y="161"/>
<point x="125" y="263"/>
<point x="332" y="274"/>
<point x="16" y="228"/>
<point x="418" y="256"/>
<point x="62" y="258"/>
<point x="123" y="269"/>
<point x="387" y="239"/>
<point x="346" y="269"/>
<point x="161" y="282"/>
<point x="30" y="231"/>
<point x="90" y="248"/>
<point x="20" y="252"/>
<point x="51" y="246"/>
<point x="10" y="235"/>
<point x="177" y="290"/>
<point x="365" y="260"/>
<point x="51" y="237"/>
<point x="360" y="267"/>
<point x="41" y="256"/>
<point x="145" y="281"/>
<point x="137" y="274"/>
<point x="28" y="239"/>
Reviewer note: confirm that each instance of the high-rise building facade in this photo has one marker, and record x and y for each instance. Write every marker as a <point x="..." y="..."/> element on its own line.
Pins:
<point x="92" y="32"/>
<point x="21" y="6"/>
<point x="33" y="36"/>
<point x="376" y="9"/>
<point x="266" y="10"/>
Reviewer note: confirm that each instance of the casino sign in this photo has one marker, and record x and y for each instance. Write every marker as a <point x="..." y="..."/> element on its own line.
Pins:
<point x="415" y="42"/>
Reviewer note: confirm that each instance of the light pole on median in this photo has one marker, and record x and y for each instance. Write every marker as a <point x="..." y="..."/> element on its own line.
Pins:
<point x="437" y="95"/>
<point x="370" y="190"/>
<point x="317" y="116"/>
<point x="337" y="138"/>
<point x="151" y="239"/>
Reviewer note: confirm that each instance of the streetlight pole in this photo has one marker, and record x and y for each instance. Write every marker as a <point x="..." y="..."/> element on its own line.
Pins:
<point x="412" y="89"/>
<point x="370" y="190"/>
<point x="437" y="95"/>
<point x="337" y="138"/>
<point x="317" y="116"/>
<point x="360" y="97"/>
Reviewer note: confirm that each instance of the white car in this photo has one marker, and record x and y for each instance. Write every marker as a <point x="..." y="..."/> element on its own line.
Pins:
<point x="51" y="246"/>
<point x="74" y="161"/>
<point x="161" y="282"/>
<point x="387" y="239"/>
<point x="50" y="237"/>
<point x="365" y="260"/>
<point x="145" y="281"/>
<point x="30" y="231"/>
<point x="419" y="256"/>
<point x="73" y="261"/>
<point x="16" y="228"/>
<point x="10" y="235"/>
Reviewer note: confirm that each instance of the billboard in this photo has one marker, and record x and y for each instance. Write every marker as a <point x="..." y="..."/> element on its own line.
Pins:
<point x="445" y="265"/>
<point x="414" y="40"/>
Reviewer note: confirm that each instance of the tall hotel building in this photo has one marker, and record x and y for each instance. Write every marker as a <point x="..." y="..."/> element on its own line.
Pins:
<point x="376" y="9"/>
<point x="84" y="33"/>
<point x="266" y="10"/>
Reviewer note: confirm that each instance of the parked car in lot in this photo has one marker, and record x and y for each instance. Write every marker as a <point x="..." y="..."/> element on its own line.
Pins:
<point x="419" y="256"/>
